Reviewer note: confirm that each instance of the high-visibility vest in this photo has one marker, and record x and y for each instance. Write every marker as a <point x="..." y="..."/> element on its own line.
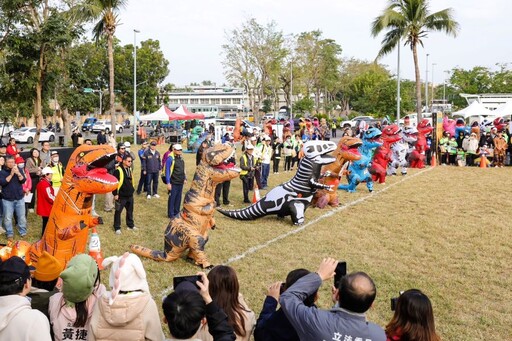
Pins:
<point x="243" y="171"/>
<point x="121" y="178"/>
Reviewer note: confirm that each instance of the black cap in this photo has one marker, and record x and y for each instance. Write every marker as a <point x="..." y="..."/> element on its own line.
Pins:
<point x="14" y="268"/>
<point x="120" y="145"/>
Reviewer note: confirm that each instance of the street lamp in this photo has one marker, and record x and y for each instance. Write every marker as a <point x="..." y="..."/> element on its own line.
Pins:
<point x="444" y="87"/>
<point x="398" y="84"/>
<point x="433" y="95"/>
<point x="135" y="85"/>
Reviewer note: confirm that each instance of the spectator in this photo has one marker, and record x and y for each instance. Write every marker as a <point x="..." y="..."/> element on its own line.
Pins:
<point x="12" y="180"/>
<point x="288" y="153"/>
<point x="175" y="178"/>
<point x="277" y="147"/>
<point x="470" y="145"/>
<point x="224" y="186"/>
<point x="45" y="196"/>
<point x="356" y="294"/>
<point x="151" y="166"/>
<point x="500" y="149"/>
<point x="58" y="171"/>
<point x="18" y="321"/>
<point x="12" y="149"/>
<point x="165" y="156"/>
<point x="443" y="148"/>
<point x="266" y="156"/>
<point x="123" y="194"/>
<point x="127" y="146"/>
<point x="333" y="128"/>
<point x="224" y="290"/>
<point x="111" y="140"/>
<point x="128" y="312"/>
<point x="2" y="230"/>
<point x="3" y="149"/>
<point x="75" y="137"/>
<point x="111" y="167"/>
<point x="71" y="310"/>
<point x="247" y="173"/>
<point x="45" y="154"/>
<point x="46" y="274"/>
<point x="88" y="142"/>
<point x="33" y="165"/>
<point x="413" y="318"/>
<point x="142" y="179"/>
<point x="27" y="185"/>
<point x="185" y="309"/>
<point x="101" y="138"/>
<point x="272" y="324"/>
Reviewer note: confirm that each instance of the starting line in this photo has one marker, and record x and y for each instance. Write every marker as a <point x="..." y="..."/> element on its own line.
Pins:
<point x="328" y="214"/>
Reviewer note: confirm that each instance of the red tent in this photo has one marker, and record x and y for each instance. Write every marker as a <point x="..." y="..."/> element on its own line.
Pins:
<point x="162" y="114"/>
<point x="187" y="114"/>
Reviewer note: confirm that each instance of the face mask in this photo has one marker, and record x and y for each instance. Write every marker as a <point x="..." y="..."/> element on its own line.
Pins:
<point x="21" y="165"/>
<point x="55" y="159"/>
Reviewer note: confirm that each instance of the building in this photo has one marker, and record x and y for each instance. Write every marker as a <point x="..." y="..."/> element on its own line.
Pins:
<point x="225" y="99"/>
<point x="490" y="101"/>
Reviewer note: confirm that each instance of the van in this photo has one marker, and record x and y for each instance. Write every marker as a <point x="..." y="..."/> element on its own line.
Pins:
<point x="88" y="123"/>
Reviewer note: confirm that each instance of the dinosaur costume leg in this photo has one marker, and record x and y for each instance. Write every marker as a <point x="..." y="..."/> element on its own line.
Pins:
<point x="297" y="210"/>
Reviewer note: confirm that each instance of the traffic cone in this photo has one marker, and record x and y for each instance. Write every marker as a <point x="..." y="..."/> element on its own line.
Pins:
<point x="256" y="197"/>
<point x="433" y="160"/>
<point x="95" y="248"/>
<point x="483" y="161"/>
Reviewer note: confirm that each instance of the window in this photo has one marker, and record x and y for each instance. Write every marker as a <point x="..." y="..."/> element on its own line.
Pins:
<point x="205" y="101"/>
<point x="226" y="101"/>
<point x="215" y="100"/>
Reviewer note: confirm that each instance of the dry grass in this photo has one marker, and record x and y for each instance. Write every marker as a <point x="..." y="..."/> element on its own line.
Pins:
<point x="445" y="231"/>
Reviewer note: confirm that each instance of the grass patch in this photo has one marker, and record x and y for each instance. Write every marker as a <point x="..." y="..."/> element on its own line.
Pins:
<point x="445" y="231"/>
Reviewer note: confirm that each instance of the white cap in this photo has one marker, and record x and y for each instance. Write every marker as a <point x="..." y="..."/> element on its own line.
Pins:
<point x="127" y="144"/>
<point x="177" y="146"/>
<point x="249" y="147"/>
<point x="47" y="170"/>
<point x="253" y="138"/>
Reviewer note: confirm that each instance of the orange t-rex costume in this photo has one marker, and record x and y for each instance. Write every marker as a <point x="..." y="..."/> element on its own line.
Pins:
<point x="190" y="229"/>
<point x="346" y="151"/>
<point x="67" y="229"/>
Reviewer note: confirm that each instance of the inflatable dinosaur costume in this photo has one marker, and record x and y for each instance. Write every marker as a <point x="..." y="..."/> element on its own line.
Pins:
<point x="67" y="229"/>
<point x="378" y="169"/>
<point x="358" y="171"/>
<point x="293" y="197"/>
<point x="417" y="157"/>
<point x="190" y="229"/>
<point x="346" y="151"/>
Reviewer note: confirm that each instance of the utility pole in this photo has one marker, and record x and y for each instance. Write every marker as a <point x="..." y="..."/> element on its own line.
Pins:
<point x="433" y="94"/>
<point x="398" y="85"/>
<point x="426" y="84"/>
<point x="291" y="90"/>
<point x="135" y="85"/>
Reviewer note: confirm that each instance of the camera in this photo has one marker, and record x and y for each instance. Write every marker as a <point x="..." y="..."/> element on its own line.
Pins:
<point x="394" y="301"/>
<point x="192" y="279"/>
<point x="341" y="270"/>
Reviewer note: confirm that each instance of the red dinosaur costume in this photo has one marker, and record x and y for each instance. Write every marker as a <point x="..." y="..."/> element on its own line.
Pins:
<point x="390" y="135"/>
<point x="417" y="157"/>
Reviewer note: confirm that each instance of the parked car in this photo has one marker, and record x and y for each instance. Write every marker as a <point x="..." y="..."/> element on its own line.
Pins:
<point x="352" y="123"/>
<point x="27" y="135"/>
<point x="6" y="129"/>
<point x="88" y="123"/>
<point x="105" y="125"/>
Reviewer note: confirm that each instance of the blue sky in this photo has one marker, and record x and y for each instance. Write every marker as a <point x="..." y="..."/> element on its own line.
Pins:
<point x="191" y="32"/>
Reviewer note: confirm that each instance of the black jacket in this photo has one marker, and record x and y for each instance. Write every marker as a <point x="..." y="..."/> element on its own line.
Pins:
<point x="218" y="325"/>
<point x="11" y="190"/>
<point x="126" y="187"/>
<point x="273" y="324"/>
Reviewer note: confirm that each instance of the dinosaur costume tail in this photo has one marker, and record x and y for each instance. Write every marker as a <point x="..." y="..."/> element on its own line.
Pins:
<point x="249" y="213"/>
<point x="153" y="254"/>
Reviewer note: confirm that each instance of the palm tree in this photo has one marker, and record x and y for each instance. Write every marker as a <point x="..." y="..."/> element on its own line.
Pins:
<point x="411" y="20"/>
<point x="107" y="13"/>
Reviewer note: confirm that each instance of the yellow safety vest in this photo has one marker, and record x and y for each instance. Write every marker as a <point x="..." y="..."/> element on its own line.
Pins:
<point x="243" y="171"/>
<point x="121" y="178"/>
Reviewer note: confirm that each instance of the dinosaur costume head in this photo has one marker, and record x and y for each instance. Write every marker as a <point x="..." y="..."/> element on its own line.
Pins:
<point x="391" y="134"/>
<point x="424" y="127"/>
<point x="67" y="229"/>
<point x="372" y="138"/>
<point x="317" y="152"/>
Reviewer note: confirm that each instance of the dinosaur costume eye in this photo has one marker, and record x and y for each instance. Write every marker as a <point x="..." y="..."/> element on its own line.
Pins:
<point x="81" y="154"/>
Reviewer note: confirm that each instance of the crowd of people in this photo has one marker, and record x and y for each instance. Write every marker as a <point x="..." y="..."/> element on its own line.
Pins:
<point x="57" y="303"/>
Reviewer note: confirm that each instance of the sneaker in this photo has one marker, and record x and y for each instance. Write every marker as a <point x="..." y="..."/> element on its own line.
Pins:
<point x="133" y="228"/>
<point x="2" y="230"/>
<point x="148" y="197"/>
<point x="22" y="235"/>
<point x="156" y="196"/>
<point x="94" y="214"/>
<point x="31" y="210"/>
<point x="118" y="231"/>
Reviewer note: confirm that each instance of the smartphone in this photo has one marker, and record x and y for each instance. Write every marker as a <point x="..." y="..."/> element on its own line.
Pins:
<point x="192" y="279"/>
<point x="341" y="270"/>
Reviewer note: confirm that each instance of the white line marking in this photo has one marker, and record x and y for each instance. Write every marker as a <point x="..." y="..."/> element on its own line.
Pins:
<point x="314" y="221"/>
<point x="256" y="248"/>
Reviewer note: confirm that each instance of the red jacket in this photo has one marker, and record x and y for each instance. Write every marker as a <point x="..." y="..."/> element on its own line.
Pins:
<point x="12" y="150"/>
<point x="45" y="198"/>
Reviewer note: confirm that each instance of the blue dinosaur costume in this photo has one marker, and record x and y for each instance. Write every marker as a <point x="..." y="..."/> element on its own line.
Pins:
<point x="358" y="171"/>
<point x="292" y="197"/>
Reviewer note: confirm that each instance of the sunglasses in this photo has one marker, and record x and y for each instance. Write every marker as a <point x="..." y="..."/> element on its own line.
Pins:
<point x="128" y="161"/>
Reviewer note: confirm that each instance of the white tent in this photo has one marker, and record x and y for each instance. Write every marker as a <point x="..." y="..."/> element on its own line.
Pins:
<point x="162" y="114"/>
<point x="503" y="110"/>
<point x="475" y="109"/>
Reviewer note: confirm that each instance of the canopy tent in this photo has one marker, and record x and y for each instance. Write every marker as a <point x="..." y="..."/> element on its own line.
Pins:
<point x="187" y="114"/>
<point x="162" y="114"/>
<point x="473" y="110"/>
<point x="503" y="110"/>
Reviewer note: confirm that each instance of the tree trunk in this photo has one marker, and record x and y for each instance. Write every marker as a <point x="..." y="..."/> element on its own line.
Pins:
<point x="111" y="83"/>
<point x="418" y="82"/>
<point x="66" y="126"/>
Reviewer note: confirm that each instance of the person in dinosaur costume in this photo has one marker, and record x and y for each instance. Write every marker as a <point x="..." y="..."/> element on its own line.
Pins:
<point x="294" y="196"/>
<point x="449" y="125"/>
<point x="67" y="229"/>
<point x="358" y="171"/>
<point x="378" y="169"/>
<point x="189" y="230"/>
<point x="417" y="157"/>
<point x="401" y="150"/>
<point x="346" y="151"/>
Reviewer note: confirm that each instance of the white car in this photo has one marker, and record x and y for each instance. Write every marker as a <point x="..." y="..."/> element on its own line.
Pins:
<point x="105" y="125"/>
<point x="6" y="129"/>
<point x="27" y="134"/>
<point x="352" y="123"/>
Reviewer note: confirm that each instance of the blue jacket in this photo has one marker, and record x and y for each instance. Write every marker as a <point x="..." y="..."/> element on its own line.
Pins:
<point x="151" y="163"/>
<point x="273" y="325"/>
<point x="312" y="323"/>
<point x="11" y="190"/>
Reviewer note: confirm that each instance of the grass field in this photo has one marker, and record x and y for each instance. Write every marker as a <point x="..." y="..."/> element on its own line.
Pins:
<point x="446" y="231"/>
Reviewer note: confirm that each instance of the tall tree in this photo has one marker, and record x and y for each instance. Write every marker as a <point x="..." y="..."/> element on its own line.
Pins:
<point x="107" y="12"/>
<point x="411" y="20"/>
